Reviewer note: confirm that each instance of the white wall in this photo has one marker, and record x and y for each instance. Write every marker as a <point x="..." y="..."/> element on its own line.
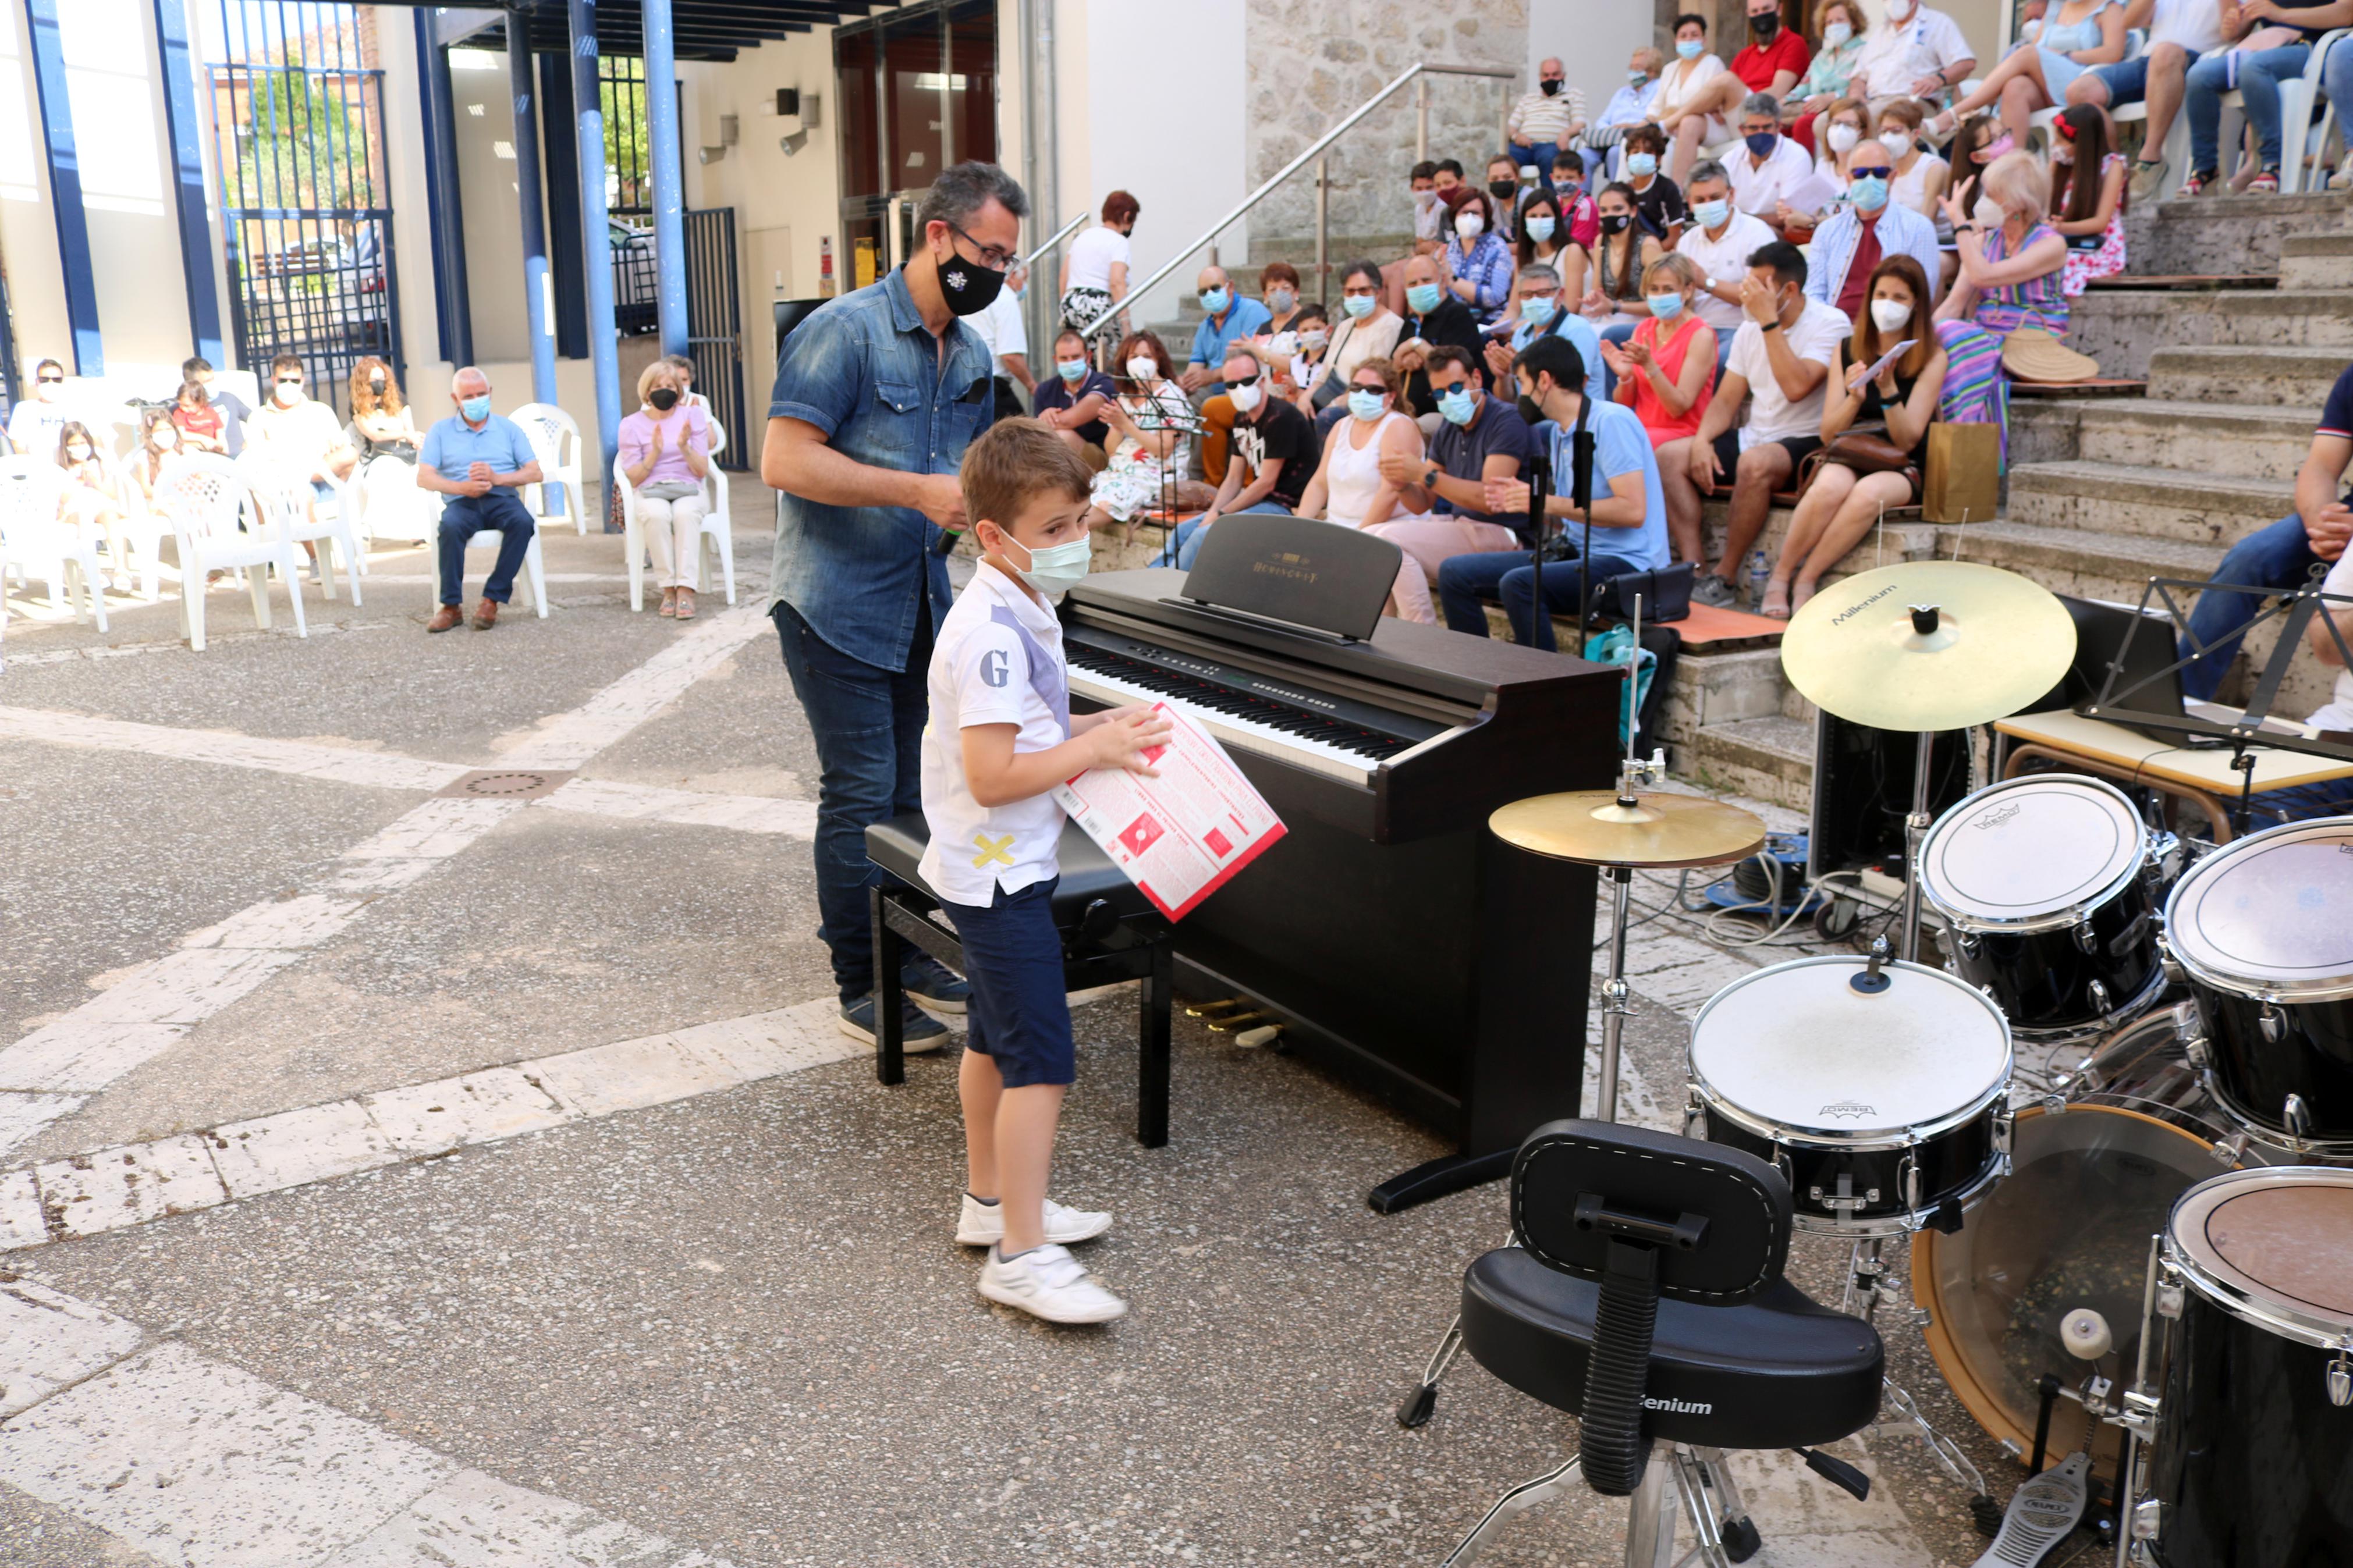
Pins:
<point x="29" y="231"/>
<point x="483" y="109"/>
<point x="1591" y="41"/>
<point x="1182" y="156"/>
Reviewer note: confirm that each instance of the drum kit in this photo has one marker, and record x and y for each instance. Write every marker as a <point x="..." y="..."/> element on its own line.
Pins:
<point x="2117" y="1125"/>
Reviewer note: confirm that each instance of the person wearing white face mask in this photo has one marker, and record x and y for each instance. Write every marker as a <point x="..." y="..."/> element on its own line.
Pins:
<point x="297" y="436"/>
<point x="1849" y="246"/>
<point x="2012" y="262"/>
<point x="1841" y="501"/>
<point x="1151" y="423"/>
<point x="1914" y="52"/>
<point x="1839" y="29"/>
<point x="1272" y="452"/>
<point x="1477" y="263"/>
<point x="1434" y="319"/>
<point x="1071" y="402"/>
<point x="1349" y="488"/>
<point x="1541" y="305"/>
<point x="1918" y="182"/>
<point x="1366" y="329"/>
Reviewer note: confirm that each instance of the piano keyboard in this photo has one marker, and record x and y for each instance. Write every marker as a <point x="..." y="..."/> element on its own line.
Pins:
<point x="1334" y="737"/>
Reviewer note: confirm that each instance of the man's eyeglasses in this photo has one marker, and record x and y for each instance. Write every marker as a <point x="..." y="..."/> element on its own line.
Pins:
<point x="289" y="381"/>
<point x="993" y="258"/>
<point x="52" y="380"/>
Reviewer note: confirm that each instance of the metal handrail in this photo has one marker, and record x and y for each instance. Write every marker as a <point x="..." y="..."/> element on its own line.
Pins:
<point x="1053" y="239"/>
<point x="1322" y="185"/>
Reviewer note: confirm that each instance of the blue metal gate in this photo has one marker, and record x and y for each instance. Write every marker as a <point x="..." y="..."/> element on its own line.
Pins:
<point x="297" y="109"/>
<point x="714" y="326"/>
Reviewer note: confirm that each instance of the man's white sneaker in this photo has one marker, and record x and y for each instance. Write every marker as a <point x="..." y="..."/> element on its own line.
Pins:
<point x="983" y="1224"/>
<point x="1048" y="1282"/>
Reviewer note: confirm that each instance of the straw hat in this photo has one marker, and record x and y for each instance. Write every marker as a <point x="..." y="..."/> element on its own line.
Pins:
<point x="2030" y="353"/>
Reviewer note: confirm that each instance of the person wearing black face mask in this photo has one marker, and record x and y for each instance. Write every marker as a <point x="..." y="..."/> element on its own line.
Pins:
<point x="1771" y="62"/>
<point x="381" y="425"/>
<point x="877" y="393"/>
<point x="665" y="454"/>
<point x="1547" y="122"/>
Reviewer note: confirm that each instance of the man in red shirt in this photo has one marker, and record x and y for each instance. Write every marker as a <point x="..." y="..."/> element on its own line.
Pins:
<point x="1772" y="61"/>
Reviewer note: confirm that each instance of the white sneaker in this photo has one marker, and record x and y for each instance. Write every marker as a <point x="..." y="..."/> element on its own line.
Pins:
<point x="1048" y="1282"/>
<point x="983" y="1224"/>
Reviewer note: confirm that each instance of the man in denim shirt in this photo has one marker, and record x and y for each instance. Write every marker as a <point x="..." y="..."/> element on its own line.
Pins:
<point x="877" y="395"/>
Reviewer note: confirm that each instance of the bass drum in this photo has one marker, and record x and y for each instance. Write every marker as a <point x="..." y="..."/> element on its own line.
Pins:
<point x="2068" y="1228"/>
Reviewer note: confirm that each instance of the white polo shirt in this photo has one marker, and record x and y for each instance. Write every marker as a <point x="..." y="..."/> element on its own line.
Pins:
<point x="1895" y="55"/>
<point x="999" y="660"/>
<point x="1723" y="258"/>
<point x="1756" y="190"/>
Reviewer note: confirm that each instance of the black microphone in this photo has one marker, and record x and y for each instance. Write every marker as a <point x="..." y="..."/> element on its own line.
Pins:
<point x="946" y="543"/>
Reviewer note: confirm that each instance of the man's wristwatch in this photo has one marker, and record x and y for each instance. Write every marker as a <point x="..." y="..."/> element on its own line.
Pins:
<point x="1769" y="326"/>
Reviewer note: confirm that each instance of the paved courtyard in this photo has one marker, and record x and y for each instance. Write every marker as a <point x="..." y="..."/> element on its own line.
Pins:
<point x="394" y="1175"/>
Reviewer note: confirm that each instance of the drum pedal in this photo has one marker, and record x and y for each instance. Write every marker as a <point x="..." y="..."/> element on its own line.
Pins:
<point x="1219" y="1008"/>
<point x="1227" y="1023"/>
<point x="2041" y="1513"/>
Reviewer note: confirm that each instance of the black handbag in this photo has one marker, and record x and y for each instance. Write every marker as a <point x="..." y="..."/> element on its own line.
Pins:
<point x="1665" y="593"/>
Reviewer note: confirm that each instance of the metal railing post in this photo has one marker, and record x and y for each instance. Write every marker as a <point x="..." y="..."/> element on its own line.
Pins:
<point x="1421" y="122"/>
<point x="1323" y="230"/>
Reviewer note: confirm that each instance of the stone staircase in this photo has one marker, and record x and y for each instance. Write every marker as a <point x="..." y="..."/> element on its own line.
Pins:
<point x="2104" y="492"/>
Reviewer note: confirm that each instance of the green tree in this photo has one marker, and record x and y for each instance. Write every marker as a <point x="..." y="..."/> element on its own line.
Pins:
<point x="624" y="106"/>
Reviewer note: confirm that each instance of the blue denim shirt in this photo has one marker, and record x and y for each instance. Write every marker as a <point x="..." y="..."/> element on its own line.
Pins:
<point x="865" y="371"/>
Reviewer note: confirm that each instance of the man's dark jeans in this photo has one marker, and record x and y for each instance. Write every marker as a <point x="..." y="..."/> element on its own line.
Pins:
<point x="869" y="724"/>
<point x="2276" y="557"/>
<point x="1466" y="581"/>
<point x="463" y="517"/>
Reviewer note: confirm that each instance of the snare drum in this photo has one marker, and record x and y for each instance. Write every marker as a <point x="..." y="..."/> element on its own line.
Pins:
<point x="2263" y="929"/>
<point x="2253" y="1461"/>
<point x="1884" y="1101"/>
<point x="2048" y="887"/>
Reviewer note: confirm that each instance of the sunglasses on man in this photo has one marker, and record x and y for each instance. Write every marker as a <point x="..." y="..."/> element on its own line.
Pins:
<point x="52" y="380"/>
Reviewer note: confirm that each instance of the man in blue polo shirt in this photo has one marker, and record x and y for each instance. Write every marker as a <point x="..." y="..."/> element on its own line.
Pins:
<point x="478" y="460"/>
<point x="1229" y="317"/>
<point x="877" y="393"/>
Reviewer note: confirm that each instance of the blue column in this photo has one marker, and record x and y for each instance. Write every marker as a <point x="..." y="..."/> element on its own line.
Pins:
<point x="669" y="191"/>
<point x="188" y="177"/>
<point x="452" y="306"/>
<point x="597" y="241"/>
<point x="65" y="187"/>
<point x="538" y="307"/>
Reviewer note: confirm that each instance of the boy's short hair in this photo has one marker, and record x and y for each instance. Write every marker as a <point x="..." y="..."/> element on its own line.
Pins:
<point x="1014" y="461"/>
<point x="194" y="366"/>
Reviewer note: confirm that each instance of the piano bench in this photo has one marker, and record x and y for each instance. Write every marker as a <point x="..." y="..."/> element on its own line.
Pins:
<point x="1110" y="934"/>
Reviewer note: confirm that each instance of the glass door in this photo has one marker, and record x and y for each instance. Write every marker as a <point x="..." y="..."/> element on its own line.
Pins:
<point x="918" y="91"/>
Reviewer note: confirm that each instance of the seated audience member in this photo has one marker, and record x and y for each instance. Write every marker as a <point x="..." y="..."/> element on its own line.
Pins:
<point x="1546" y="123"/>
<point x="478" y="460"/>
<point x="1579" y="222"/>
<point x="1840" y="129"/>
<point x="381" y="425"/>
<point x="1628" y="106"/>
<point x="1541" y="309"/>
<point x="1477" y="263"/>
<point x="1272" y="454"/>
<point x="1667" y="368"/>
<point x="1698" y="95"/>
<point x="1848" y="247"/>
<point x="665" y="450"/>
<point x="159" y="443"/>
<point x="2076" y="36"/>
<point x="2087" y="196"/>
<point x="1294" y="356"/>
<point x="2011" y="264"/>
<point x="1434" y="319"/>
<point x="1919" y="180"/>
<point x="1840" y="506"/>
<point x="1348" y="488"/>
<point x="2281" y="555"/>
<point x="1658" y="200"/>
<point x="1769" y="166"/>
<point x="1505" y="196"/>
<point x="298" y="436"/>
<point x="91" y="495"/>
<point x="1620" y="258"/>
<point x="1278" y="290"/>
<point x="1071" y="401"/>
<point x="1229" y="317"/>
<point x="1628" y="516"/>
<point x="233" y="409"/>
<point x="1838" y="27"/>
<point x="1370" y="331"/>
<point x="1545" y="242"/>
<point x="1428" y="207"/>
<point x="2180" y="31"/>
<point x="1147" y="419"/>
<point x="1719" y="243"/>
<point x="1915" y="51"/>
<point x="682" y="365"/>
<point x="2266" y="56"/>
<point x="203" y="425"/>
<point x="36" y="422"/>
<point x="1965" y="157"/>
<point x="1781" y="354"/>
<point x="1478" y="438"/>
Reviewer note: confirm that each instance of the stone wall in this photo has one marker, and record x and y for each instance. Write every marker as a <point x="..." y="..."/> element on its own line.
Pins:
<point x="1311" y="62"/>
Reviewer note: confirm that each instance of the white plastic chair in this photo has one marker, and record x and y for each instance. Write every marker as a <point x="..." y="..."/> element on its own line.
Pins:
<point x="391" y="505"/>
<point x="532" y="579"/>
<point x="35" y="543"/>
<point x="142" y="529"/>
<point x="716" y="538"/>
<point x="207" y="499"/>
<point x="556" y="441"/>
<point x="2300" y="142"/>
<point x="288" y="503"/>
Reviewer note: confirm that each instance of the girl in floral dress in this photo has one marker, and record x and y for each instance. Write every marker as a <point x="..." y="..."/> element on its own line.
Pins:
<point x="2089" y="210"/>
<point x="1148" y="421"/>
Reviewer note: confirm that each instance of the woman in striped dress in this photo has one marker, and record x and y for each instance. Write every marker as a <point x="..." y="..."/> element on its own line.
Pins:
<point x="2011" y="276"/>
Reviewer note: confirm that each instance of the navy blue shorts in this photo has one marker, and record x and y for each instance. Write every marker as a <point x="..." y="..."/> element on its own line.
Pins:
<point x="1019" y="1016"/>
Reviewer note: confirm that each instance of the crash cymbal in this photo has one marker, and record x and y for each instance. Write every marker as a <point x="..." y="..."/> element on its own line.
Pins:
<point x="1928" y="644"/>
<point x="1592" y="827"/>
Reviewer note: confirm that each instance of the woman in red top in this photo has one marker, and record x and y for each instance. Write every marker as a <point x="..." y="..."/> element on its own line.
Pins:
<point x="199" y="421"/>
<point x="1667" y="369"/>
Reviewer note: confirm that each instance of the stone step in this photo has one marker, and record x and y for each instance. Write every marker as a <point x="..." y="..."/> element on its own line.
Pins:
<point x="2293" y="377"/>
<point x="2088" y="564"/>
<point x="2226" y="234"/>
<point x="2256" y="441"/>
<point x="2204" y="514"/>
<point x="2317" y="261"/>
<point x="2121" y="328"/>
<point x="1770" y="757"/>
<point x="1722" y="688"/>
<point x="2294" y="317"/>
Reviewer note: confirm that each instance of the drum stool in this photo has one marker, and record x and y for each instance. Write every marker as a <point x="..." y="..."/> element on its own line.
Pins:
<point x="1109" y="932"/>
<point x="1646" y="1298"/>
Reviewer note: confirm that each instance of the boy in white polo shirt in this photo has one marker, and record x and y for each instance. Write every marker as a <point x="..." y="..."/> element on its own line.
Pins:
<point x="1000" y="738"/>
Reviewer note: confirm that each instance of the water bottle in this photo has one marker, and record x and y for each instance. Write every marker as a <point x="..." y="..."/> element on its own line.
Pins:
<point x="1760" y="571"/>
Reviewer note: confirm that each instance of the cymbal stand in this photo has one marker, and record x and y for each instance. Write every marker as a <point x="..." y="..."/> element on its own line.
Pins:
<point x="1866" y="1283"/>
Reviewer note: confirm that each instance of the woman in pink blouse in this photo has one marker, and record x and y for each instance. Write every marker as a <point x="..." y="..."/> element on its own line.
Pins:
<point x="666" y="451"/>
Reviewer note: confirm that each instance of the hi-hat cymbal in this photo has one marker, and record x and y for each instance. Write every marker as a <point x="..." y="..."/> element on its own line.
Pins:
<point x="1591" y="827"/>
<point x="1928" y="644"/>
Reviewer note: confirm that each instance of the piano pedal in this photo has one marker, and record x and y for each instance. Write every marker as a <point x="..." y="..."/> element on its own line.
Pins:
<point x="1264" y="1035"/>
<point x="1228" y="1023"/>
<point x="1230" y="1007"/>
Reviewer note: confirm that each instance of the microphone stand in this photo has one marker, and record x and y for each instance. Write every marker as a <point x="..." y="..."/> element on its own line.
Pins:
<point x="1539" y="487"/>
